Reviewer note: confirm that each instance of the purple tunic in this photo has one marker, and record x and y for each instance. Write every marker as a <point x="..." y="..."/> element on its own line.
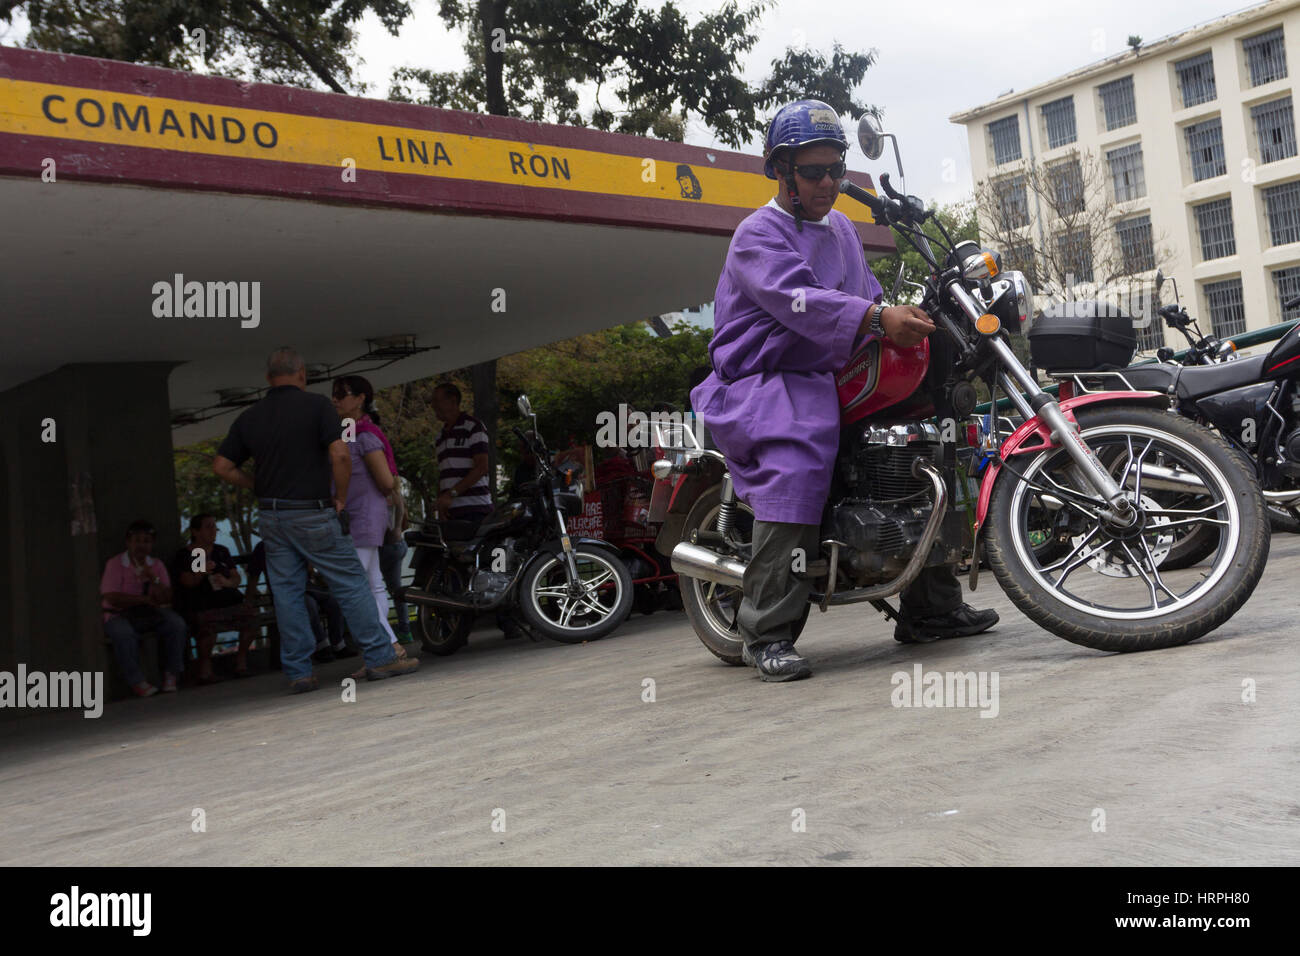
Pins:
<point x="367" y="507"/>
<point x="786" y="317"/>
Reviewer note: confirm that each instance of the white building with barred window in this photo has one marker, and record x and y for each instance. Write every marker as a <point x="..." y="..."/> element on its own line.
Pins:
<point x="1198" y="134"/>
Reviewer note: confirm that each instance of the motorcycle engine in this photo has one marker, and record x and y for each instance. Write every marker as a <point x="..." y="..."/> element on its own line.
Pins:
<point x="882" y="511"/>
<point x="488" y="583"/>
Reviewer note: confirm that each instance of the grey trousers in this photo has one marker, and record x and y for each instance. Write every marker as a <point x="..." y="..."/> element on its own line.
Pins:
<point x="775" y="601"/>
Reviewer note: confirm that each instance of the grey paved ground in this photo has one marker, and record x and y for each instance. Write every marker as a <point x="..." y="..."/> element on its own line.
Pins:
<point x="711" y="772"/>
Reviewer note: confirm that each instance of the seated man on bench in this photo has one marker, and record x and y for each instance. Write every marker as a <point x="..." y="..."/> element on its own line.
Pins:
<point x="135" y="590"/>
<point x="210" y="598"/>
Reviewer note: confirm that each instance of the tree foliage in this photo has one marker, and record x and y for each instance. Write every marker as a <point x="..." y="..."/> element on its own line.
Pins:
<point x="531" y="58"/>
<point x="295" y="42"/>
<point x="1056" y="222"/>
<point x="199" y="491"/>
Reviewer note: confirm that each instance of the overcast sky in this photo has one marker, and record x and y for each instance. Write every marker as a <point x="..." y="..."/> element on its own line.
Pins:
<point x="935" y="58"/>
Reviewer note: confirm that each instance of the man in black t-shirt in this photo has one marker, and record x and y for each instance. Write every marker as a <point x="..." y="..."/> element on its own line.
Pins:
<point x="296" y="440"/>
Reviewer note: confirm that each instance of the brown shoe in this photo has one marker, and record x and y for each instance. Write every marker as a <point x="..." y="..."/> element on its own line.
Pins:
<point x="303" y="684"/>
<point x="394" y="668"/>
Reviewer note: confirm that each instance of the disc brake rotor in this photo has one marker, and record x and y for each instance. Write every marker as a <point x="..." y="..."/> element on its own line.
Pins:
<point x="1109" y="559"/>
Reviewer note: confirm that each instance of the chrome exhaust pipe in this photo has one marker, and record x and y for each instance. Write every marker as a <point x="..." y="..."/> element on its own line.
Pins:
<point x="705" y="565"/>
<point x="1289" y="497"/>
<point x="1169" y="479"/>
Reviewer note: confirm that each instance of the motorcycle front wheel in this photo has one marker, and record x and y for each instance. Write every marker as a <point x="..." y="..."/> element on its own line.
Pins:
<point x="1110" y="592"/>
<point x="603" y="602"/>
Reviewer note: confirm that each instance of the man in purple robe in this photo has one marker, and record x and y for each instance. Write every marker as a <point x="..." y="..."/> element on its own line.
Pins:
<point x="794" y="300"/>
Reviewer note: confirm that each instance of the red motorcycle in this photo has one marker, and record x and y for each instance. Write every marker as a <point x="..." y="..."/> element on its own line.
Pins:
<point x="1065" y="512"/>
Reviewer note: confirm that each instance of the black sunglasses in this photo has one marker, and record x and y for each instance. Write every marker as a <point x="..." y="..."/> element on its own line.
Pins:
<point x="813" y="172"/>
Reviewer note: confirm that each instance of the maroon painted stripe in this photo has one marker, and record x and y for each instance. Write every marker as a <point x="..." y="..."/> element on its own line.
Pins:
<point x="139" y="165"/>
<point x="1287" y="362"/>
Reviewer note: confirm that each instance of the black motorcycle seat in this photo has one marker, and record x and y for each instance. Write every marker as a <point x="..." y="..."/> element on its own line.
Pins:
<point x="453" y="530"/>
<point x="1151" y="378"/>
<point x="1197" y="381"/>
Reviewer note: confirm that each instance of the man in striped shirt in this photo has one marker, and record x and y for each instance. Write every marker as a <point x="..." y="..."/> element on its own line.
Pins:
<point x="463" y="493"/>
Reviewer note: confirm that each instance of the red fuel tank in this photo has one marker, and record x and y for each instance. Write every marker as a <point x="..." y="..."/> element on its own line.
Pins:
<point x="880" y="374"/>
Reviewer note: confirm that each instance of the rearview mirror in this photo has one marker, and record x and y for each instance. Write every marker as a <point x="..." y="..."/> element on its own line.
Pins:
<point x="524" y="407"/>
<point x="871" y="137"/>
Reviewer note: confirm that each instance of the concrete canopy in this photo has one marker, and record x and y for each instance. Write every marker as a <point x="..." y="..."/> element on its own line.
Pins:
<point x="480" y="235"/>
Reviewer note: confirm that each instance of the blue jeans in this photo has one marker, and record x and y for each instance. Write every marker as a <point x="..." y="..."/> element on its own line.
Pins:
<point x="295" y="539"/>
<point x="390" y="565"/>
<point x="172" y="634"/>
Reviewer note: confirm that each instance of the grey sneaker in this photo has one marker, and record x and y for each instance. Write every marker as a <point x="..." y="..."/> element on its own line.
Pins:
<point x="394" y="668"/>
<point x="781" y="662"/>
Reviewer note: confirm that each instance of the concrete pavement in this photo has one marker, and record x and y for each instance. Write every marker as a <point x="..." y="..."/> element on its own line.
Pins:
<point x="556" y="747"/>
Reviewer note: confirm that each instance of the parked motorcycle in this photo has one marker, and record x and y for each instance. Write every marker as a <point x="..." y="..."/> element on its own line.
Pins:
<point x="897" y="502"/>
<point x="520" y="558"/>
<point x="1276" y="461"/>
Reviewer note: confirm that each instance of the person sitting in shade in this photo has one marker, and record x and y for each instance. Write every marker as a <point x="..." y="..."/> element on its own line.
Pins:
<point x="136" y="591"/>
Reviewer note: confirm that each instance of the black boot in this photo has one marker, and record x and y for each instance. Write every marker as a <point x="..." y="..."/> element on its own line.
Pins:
<point x="962" y="622"/>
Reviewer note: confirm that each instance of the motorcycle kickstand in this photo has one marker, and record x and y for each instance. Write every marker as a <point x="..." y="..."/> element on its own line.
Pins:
<point x="885" y="608"/>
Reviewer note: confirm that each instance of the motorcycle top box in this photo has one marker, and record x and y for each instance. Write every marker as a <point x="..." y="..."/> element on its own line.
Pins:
<point x="1084" y="335"/>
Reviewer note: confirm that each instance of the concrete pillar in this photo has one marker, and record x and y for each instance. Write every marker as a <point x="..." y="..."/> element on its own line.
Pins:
<point x="67" y="502"/>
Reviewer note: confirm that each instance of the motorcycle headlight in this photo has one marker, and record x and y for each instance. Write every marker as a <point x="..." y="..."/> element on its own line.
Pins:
<point x="1013" y="301"/>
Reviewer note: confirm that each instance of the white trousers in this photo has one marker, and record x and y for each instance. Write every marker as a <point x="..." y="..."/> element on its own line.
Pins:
<point x="370" y="562"/>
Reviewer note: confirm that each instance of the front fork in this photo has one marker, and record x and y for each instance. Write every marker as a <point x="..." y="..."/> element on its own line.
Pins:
<point x="570" y="565"/>
<point x="1016" y="379"/>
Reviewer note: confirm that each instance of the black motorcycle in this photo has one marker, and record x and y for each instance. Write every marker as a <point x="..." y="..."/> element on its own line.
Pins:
<point x="1253" y="403"/>
<point x="519" y="560"/>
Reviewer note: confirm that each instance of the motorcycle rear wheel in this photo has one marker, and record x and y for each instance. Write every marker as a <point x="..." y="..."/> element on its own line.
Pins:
<point x="712" y="608"/>
<point x="443" y="631"/>
<point x="1092" y="617"/>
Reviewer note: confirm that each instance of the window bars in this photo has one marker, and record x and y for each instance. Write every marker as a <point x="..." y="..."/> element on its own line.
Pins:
<point x="1227" y="312"/>
<point x="1274" y="129"/>
<point x="1074" y="249"/>
<point x="1117" y="103"/>
<point x="1205" y="148"/>
<point x="1196" y="79"/>
<point x="1013" y="202"/>
<point x="1137" y="252"/>
<point x="1265" y="57"/>
<point x="1066" y="180"/>
<point x="1005" y="137"/>
<point x="1287" y="283"/>
<point x="1282" y="204"/>
<point x="1126" y="172"/>
<point x="1059" y="117"/>
<point x="1214" y="223"/>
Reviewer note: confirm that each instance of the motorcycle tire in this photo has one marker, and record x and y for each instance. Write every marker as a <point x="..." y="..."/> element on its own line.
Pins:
<point x="711" y="608"/>
<point x="1213" y="599"/>
<point x="442" y="631"/>
<point x="552" y="613"/>
<point x="1283" y="520"/>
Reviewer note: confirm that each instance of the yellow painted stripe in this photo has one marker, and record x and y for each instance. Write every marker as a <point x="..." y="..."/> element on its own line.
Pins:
<point x="182" y="126"/>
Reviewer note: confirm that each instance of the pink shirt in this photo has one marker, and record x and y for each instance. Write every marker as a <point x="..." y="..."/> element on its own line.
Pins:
<point x="120" y="578"/>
